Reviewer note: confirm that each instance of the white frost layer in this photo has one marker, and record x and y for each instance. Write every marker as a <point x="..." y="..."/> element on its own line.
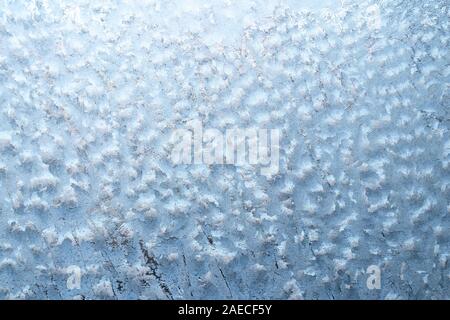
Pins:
<point x="92" y="207"/>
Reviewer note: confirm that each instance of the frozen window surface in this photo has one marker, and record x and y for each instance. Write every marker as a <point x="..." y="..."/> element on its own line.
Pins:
<point x="91" y="205"/>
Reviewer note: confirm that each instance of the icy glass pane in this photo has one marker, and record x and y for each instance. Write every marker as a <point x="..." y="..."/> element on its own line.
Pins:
<point x="224" y="149"/>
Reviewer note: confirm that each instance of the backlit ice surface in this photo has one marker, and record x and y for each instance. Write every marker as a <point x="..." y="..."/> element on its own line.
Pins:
<point x="92" y="207"/>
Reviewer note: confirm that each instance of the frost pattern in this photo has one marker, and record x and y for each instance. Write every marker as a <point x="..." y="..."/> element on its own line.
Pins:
<point x="91" y="206"/>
